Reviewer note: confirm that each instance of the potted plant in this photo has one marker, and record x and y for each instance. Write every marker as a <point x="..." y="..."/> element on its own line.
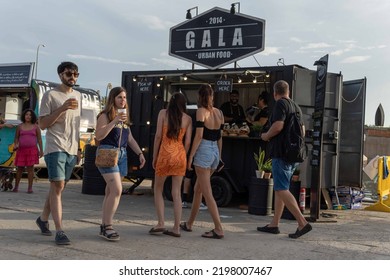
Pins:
<point x="259" y="159"/>
<point x="295" y="176"/>
<point x="260" y="189"/>
<point x="267" y="168"/>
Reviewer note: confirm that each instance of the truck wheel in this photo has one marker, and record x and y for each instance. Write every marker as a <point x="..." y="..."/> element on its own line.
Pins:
<point x="222" y="190"/>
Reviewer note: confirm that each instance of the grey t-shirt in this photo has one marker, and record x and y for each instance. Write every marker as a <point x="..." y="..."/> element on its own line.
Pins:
<point x="63" y="135"/>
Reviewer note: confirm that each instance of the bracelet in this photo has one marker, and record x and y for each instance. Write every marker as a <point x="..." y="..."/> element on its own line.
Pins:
<point x="141" y="153"/>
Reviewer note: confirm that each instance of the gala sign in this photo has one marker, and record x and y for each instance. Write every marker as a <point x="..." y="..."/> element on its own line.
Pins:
<point x="216" y="38"/>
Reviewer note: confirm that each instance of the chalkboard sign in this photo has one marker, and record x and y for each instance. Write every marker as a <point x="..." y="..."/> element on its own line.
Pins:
<point x="225" y="85"/>
<point x="16" y="75"/>
<point x="145" y="86"/>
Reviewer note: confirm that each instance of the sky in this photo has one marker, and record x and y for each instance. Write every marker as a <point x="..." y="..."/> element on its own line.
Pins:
<point x="105" y="38"/>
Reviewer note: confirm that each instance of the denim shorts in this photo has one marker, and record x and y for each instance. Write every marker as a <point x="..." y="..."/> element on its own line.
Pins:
<point x="121" y="167"/>
<point x="60" y="165"/>
<point x="282" y="172"/>
<point x="207" y="154"/>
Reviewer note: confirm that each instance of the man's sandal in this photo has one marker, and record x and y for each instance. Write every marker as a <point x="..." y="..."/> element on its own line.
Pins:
<point x="108" y="233"/>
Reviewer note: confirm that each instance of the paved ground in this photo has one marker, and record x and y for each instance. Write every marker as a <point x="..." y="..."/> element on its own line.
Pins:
<point x="355" y="234"/>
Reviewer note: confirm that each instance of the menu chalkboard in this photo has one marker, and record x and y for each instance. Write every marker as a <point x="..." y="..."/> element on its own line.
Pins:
<point x="145" y="86"/>
<point x="16" y="75"/>
<point x="223" y="85"/>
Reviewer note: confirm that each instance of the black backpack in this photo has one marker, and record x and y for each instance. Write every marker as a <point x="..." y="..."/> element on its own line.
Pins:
<point x="295" y="149"/>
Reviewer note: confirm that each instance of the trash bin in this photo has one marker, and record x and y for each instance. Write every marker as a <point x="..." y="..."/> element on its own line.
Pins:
<point x="93" y="181"/>
<point x="260" y="194"/>
<point x="295" y="187"/>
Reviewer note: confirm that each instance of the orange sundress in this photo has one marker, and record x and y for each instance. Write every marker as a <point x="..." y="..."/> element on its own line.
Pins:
<point x="172" y="158"/>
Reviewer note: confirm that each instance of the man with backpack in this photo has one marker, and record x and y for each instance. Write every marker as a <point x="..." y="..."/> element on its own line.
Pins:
<point x="284" y="114"/>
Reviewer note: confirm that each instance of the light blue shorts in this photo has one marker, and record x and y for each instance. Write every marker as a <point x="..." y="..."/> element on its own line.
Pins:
<point x="60" y="165"/>
<point x="121" y="167"/>
<point x="282" y="172"/>
<point x="207" y="155"/>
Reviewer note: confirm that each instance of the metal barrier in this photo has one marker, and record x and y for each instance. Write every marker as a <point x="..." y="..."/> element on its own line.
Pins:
<point x="383" y="205"/>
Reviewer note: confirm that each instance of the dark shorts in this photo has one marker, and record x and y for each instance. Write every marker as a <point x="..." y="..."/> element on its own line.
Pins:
<point x="282" y="172"/>
<point x="60" y="165"/>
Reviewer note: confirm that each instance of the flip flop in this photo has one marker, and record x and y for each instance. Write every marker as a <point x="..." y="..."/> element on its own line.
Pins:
<point x="184" y="227"/>
<point x="213" y="235"/>
<point x="171" y="233"/>
<point x="156" y="230"/>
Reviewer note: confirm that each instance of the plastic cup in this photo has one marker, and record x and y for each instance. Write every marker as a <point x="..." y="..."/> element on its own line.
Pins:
<point x="75" y="103"/>
<point x="121" y="111"/>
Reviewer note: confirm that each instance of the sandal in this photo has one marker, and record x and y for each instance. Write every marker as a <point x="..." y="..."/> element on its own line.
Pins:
<point x="212" y="234"/>
<point x="108" y="233"/>
<point x="184" y="227"/>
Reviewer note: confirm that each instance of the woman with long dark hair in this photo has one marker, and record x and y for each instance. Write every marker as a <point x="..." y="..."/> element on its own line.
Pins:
<point x="205" y="155"/>
<point x="113" y="125"/>
<point x="27" y="137"/>
<point x="169" y="158"/>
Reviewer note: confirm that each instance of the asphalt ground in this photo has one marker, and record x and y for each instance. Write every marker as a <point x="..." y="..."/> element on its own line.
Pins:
<point x="337" y="235"/>
<point x="341" y="242"/>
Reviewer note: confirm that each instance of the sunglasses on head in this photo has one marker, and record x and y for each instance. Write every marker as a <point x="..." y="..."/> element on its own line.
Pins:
<point x="70" y="74"/>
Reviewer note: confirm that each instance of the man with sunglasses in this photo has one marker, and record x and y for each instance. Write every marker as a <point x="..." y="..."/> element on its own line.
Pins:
<point x="60" y="116"/>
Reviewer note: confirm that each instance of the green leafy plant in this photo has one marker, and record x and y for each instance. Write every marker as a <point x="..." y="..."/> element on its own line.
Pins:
<point x="259" y="158"/>
<point x="262" y="164"/>
<point x="256" y="128"/>
<point x="267" y="166"/>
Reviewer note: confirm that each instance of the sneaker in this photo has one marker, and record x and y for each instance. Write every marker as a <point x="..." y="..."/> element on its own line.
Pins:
<point x="43" y="226"/>
<point x="202" y="206"/>
<point x="184" y="204"/>
<point x="61" y="238"/>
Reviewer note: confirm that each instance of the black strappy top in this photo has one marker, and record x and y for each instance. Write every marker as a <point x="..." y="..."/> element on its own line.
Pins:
<point x="210" y="134"/>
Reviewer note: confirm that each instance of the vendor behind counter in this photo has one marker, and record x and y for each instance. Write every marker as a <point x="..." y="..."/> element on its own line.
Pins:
<point x="232" y="111"/>
<point x="259" y="113"/>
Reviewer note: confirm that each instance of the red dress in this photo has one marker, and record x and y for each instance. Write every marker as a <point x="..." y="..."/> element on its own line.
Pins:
<point x="27" y="153"/>
<point x="171" y="159"/>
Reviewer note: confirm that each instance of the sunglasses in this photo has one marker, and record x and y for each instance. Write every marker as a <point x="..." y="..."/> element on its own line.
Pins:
<point x="70" y="74"/>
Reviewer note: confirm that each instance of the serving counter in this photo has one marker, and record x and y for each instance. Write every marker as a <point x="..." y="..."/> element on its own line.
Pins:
<point x="238" y="155"/>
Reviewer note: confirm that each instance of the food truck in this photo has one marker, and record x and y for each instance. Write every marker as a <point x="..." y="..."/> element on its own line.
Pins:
<point x="149" y="91"/>
<point x="333" y="109"/>
<point x="19" y="91"/>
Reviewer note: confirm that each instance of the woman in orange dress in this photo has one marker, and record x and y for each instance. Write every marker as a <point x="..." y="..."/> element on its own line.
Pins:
<point x="169" y="158"/>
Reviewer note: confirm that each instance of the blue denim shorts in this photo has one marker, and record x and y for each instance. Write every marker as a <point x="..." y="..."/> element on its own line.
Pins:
<point x="60" y="165"/>
<point x="121" y="167"/>
<point x="207" y="154"/>
<point x="282" y="172"/>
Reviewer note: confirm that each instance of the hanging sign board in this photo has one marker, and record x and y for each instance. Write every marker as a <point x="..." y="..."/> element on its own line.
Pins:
<point x="225" y="85"/>
<point x="145" y="86"/>
<point x="16" y="75"/>
<point x="216" y="38"/>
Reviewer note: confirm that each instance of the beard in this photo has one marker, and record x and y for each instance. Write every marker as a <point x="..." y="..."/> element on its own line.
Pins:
<point x="69" y="83"/>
